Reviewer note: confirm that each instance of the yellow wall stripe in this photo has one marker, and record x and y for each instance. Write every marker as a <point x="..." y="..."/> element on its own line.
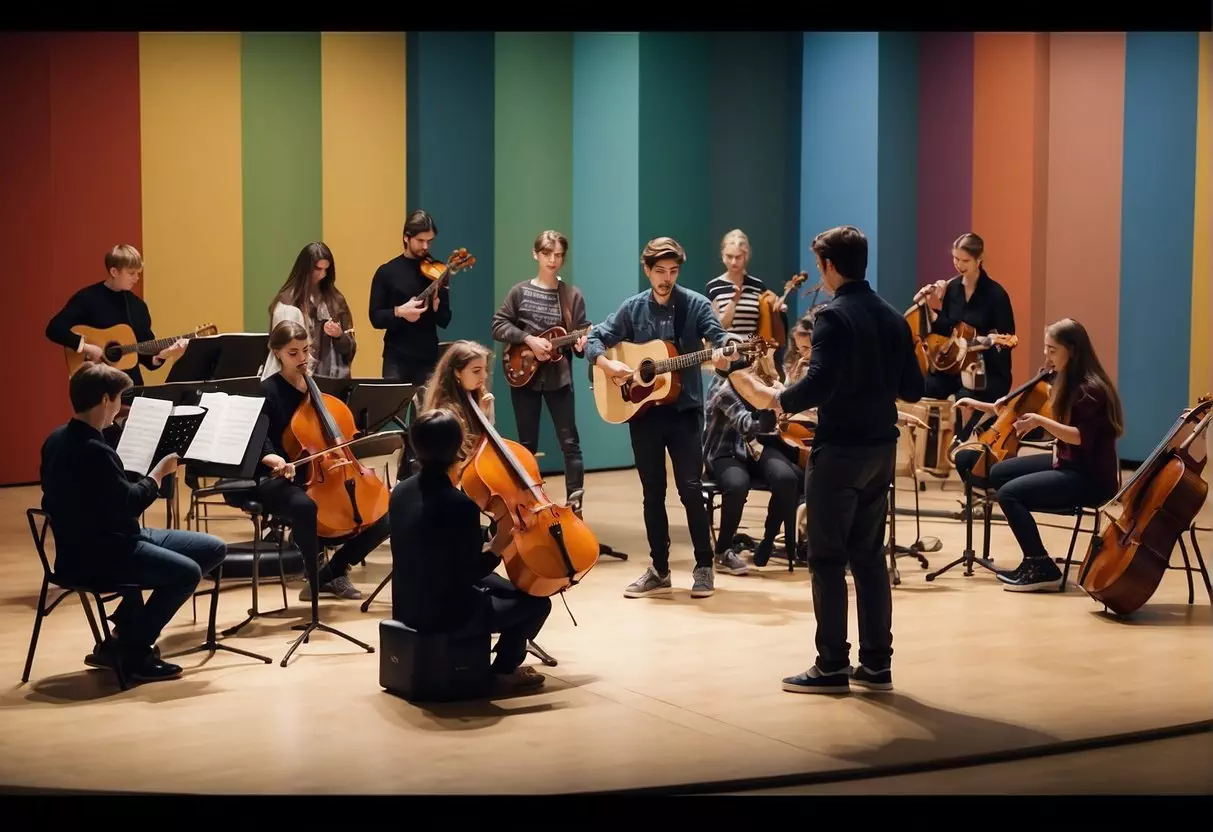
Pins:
<point x="1202" y="238"/>
<point x="363" y="152"/>
<point x="193" y="243"/>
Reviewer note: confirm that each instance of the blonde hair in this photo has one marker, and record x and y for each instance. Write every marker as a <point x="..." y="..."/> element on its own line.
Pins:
<point x="442" y="389"/>
<point x="736" y="237"/>
<point x="123" y="257"/>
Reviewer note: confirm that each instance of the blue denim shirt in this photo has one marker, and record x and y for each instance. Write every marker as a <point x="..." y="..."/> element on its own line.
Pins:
<point x="640" y="318"/>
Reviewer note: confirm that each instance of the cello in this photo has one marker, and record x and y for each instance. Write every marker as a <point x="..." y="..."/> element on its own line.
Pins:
<point x="349" y="497"/>
<point x="772" y="323"/>
<point x="999" y="439"/>
<point x="546" y="547"/>
<point x="1125" y="563"/>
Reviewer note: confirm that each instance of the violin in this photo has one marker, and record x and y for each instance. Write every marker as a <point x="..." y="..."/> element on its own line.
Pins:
<point x="798" y="431"/>
<point x="439" y="274"/>
<point x="772" y="323"/>
<point x="349" y="497"/>
<point x="999" y="438"/>
<point x="1125" y="564"/>
<point x="546" y="547"/>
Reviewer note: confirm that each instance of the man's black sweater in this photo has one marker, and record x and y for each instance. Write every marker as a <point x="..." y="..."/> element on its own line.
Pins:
<point x="100" y="307"/>
<point x="413" y="344"/>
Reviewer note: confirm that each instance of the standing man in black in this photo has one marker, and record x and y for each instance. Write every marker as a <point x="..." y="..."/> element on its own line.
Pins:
<point x="410" y="344"/>
<point x="862" y="362"/>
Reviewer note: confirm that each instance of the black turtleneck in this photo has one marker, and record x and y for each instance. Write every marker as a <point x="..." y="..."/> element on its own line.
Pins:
<point x="437" y="553"/>
<point x="989" y="310"/>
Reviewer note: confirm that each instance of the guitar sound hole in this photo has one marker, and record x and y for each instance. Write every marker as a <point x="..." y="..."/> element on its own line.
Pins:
<point x="646" y="372"/>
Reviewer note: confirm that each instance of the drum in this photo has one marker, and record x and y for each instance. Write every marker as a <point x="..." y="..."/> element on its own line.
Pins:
<point x="927" y="451"/>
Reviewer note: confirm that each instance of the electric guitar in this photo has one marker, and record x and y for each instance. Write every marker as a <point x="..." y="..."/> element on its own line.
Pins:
<point x="520" y="363"/>
<point x="119" y="347"/>
<point x="655" y="378"/>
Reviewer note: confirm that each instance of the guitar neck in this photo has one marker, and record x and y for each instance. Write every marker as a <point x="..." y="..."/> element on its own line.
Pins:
<point x="565" y="340"/>
<point x="157" y="346"/>
<point x="681" y="362"/>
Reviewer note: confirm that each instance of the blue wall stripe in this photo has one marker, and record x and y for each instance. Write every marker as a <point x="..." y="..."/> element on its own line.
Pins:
<point x="839" y="128"/>
<point x="604" y="249"/>
<point x="897" y="167"/>
<point x="1156" y="234"/>
<point x="450" y="163"/>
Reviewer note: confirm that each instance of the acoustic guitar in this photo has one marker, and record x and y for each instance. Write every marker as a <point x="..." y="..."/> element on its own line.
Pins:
<point x="655" y="378"/>
<point x="119" y="347"/>
<point x="520" y="363"/>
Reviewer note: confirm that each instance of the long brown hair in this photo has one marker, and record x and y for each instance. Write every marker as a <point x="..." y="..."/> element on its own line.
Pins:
<point x="1082" y="367"/>
<point x="804" y="326"/>
<point x="297" y="291"/>
<point x="442" y="388"/>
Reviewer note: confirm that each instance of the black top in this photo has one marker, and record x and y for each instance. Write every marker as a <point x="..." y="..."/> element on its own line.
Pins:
<point x="437" y="553"/>
<point x="93" y="503"/>
<point x="100" y="307"/>
<point x="862" y="362"/>
<point x="281" y="401"/>
<point x="1095" y="455"/>
<point x="989" y="310"/>
<point x="529" y="309"/>
<point x="398" y="281"/>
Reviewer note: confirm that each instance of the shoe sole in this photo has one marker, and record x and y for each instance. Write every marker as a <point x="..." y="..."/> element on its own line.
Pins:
<point x="875" y="687"/>
<point x="792" y="687"/>
<point x="742" y="570"/>
<point x="1053" y="586"/>
<point x="645" y="593"/>
<point x="702" y="593"/>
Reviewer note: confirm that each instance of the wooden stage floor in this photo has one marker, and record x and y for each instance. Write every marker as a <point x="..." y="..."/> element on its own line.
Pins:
<point x="648" y="692"/>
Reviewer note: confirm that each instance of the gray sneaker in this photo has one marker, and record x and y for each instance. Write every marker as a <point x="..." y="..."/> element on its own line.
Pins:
<point x="339" y="587"/>
<point x="729" y="562"/>
<point x="650" y="583"/>
<point x="704" y="582"/>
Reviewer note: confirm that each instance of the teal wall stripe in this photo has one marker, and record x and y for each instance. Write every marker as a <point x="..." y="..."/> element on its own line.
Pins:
<point x="281" y="162"/>
<point x="897" y="168"/>
<point x="451" y="164"/>
<point x="604" y="245"/>
<point x="533" y="173"/>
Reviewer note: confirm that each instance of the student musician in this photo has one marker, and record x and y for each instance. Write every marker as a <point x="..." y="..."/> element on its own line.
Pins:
<point x="108" y="303"/>
<point x="443" y="578"/>
<point x="685" y="318"/>
<point x="741" y="443"/>
<point x="973" y="297"/>
<point x="410" y="342"/>
<point x="531" y="308"/>
<point x="463" y="367"/>
<point x="310" y="297"/>
<point x="796" y="361"/>
<point x="734" y="294"/>
<point x="280" y="484"/>
<point x="1084" y="468"/>
<point x="94" y="506"/>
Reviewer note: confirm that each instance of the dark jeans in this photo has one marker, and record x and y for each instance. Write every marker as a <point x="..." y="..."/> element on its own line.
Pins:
<point x="406" y="372"/>
<point x="653" y="433"/>
<point x="289" y="501"/>
<point x="527" y="409"/>
<point x="169" y="562"/>
<point x="1031" y="483"/>
<point x="964" y="462"/>
<point x="942" y="385"/>
<point x="778" y="472"/>
<point x="848" y="491"/>
<point x="507" y="610"/>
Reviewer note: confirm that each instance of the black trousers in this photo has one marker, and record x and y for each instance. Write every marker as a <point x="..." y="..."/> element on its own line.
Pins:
<point x="527" y="408"/>
<point x="507" y="610"/>
<point x="942" y="385"/>
<point x="405" y="371"/>
<point x="776" y="469"/>
<point x="1031" y="483"/>
<point x="289" y="501"/>
<point x="848" y="490"/>
<point x="655" y="432"/>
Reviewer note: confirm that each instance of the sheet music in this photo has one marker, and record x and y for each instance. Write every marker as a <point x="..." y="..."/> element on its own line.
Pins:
<point x="224" y="435"/>
<point x="141" y="433"/>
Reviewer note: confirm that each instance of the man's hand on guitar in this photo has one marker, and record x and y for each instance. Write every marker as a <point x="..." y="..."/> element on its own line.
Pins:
<point x="92" y="352"/>
<point x="617" y="371"/>
<point x="412" y="310"/>
<point x="579" y="347"/>
<point x="176" y="349"/>
<point x="542" y="347"/>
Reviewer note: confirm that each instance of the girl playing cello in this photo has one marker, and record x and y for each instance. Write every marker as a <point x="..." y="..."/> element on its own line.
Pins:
<point x="278" y="486"/>
<point x="1084" y="468"/>
<point x="464" y="366"/>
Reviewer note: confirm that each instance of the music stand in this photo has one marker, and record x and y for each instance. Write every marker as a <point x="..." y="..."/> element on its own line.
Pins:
<point x="230" y="355"/>
<point x="970" y="555"/>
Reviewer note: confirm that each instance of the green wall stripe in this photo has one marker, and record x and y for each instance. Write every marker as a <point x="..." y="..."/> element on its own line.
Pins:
<point x="533" y="178"/>
<point x="897" y="167"/>
<point x="675" y="173"/>
<point x="281" y="161"/>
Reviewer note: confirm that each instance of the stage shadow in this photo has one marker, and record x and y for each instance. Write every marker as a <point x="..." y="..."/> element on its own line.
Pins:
<point x="1161" y="615"/>
<point x="731" y="600"/>
<point x="949" y="733"/>
<point x="88" y="686"/>
<point x="473" y="714"/>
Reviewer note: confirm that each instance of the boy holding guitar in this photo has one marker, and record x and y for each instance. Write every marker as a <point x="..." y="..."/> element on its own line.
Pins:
<point x="111" y="303"/>
<point x="666" y="312"/>
<point x="533" y="314"/>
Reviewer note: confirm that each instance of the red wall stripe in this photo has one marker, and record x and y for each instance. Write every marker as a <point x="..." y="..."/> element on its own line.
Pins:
<point x="71" y="190"/>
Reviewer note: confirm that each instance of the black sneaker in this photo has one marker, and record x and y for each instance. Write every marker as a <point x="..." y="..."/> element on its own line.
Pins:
<point x="879" y="680"/>
<point x="762" y="553"/>
<point x="814" y="681"/>
<point x="1033" y="575"/>
<point x="106" y="654"/>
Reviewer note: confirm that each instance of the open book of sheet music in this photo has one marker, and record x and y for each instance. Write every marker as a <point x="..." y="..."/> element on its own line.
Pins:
<point x="217" y="429"/>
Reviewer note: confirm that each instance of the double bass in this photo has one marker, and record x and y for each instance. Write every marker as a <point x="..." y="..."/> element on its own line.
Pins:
<point x="1126" y="562"/>
<point x="999" y="438"/>
<point x="349" y="497"/>
<point x="546" y="547"/>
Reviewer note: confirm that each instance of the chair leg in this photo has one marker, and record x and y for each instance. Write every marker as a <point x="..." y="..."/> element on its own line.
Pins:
<point x="33" y="642"/>
<point x="1204" y="572"/>
<point x="1070" y="553"/>
<point x="366" y="605"/>
<point x="117" y="667"/>
<point x="1183" y="550"/>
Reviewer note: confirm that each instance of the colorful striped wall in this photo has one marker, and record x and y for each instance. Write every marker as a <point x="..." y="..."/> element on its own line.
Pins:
<point x="1082" y="159"/>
